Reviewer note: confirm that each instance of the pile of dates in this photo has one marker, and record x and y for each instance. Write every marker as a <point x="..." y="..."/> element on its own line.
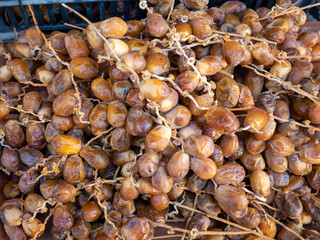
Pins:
<point x="204" y="116"/>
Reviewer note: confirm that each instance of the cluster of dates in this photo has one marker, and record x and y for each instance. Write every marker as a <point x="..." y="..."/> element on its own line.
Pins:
<point x="209" y="117"/>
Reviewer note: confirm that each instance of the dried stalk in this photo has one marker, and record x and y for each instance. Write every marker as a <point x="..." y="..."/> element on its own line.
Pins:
<point x="2" y="139"/>
<point x="213" y="233"/>
<point x="192" y="212"/>
<point x="99" y="135"/>
<point x="285" y="85"/>
<point x="222" y="220"/>
<point x="38" y="165"/>
<point x="190" y="45"/>
<point x="104" y="206"/>
<point x="163" y="225"/>
<point x="263" y="199"/>
<point x="184" y="94"/>
<point x="226" y="73"/>
<point x="20" y="110"/>
<point x="267" y="205"/>
<point x="198" y="233"/>
<point x="273" y="13"/>
<point x="167" y="236"/>
<point x="43" y="206"/>
<point x="293" y="122"/>
<point x="45" y="170"/>
<point x="284" y="226"/>
<point x="74" y="26"/>
<point x="43" y="226"/>
<point x="292" y="57"/>
<point x="171" y="9"/>
<point x="240" y="36"/>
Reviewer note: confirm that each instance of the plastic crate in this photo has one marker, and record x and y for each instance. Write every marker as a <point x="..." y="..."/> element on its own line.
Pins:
<point x="14" y="15"/>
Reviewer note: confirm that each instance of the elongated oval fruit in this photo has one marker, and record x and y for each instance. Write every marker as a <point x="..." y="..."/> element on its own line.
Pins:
<point x="66" y="144"/>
